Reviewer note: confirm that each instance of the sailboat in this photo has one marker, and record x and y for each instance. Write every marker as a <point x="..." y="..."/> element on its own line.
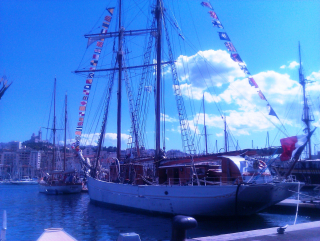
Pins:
<point x="308" y="168"/>
<point x="60" y="181"/>
<point x="221" y="184"/>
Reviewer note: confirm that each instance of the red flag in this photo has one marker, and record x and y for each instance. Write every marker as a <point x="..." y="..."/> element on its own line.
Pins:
<point x="89" y="81"/>
<point x="290" y="145"/>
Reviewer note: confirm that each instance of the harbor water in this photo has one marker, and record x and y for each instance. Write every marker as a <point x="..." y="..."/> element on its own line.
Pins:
<point x="30" y="212"/>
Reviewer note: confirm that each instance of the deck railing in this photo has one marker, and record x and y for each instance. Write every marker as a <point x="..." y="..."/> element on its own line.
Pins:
<point x="203" y="181"/>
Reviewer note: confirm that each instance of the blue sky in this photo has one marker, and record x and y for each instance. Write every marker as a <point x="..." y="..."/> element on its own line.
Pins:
<point x="42" y="40"/>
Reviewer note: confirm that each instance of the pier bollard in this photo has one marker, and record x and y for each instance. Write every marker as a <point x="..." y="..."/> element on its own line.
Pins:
<point x="180" y="225"/>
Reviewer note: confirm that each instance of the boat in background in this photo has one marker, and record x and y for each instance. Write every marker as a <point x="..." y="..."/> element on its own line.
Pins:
<point x="307" y="169"/>
<point x="60" y="181"/>
<point x="25" y="180"/>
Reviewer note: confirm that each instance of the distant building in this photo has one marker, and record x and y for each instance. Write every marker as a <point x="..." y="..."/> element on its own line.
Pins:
<point x="35" y="159"/>
<point x="38" y="138"/>
<point x="9" y="161"/>
<point x="14" y="145"/>
<point x="175" y="153"/>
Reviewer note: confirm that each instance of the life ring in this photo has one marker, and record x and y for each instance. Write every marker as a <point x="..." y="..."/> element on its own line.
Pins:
<point x="262" y="164"/>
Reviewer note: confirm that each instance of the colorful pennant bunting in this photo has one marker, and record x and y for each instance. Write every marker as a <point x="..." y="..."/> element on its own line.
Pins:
<point x="213" y="15"/>
<point x="104" y="31"/>
<point x="252" y="82"/>
<point x="208" y="5"/>
<point x="271" y="111"/>
<point x="235" y="56"/>
<point x="230" y="47"/>
<point x="223" y="36"/>
<point x="261" y="95"/>
<point x="94" y="62"/>
<point x="89" y="79"/>
<point x="105" y="25"/>
<point x="108" y="18"/>
<point x="98" y="51"/>
<point x="216" y="23"/>
<point x="110" y="10"/>
<point x="99" y="44"/>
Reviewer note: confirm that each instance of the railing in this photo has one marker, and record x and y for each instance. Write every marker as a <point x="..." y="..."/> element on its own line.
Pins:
<point x="203" y="181"/>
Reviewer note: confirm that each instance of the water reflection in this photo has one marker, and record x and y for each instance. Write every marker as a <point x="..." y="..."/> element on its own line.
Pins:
<point x="30" y="212"/>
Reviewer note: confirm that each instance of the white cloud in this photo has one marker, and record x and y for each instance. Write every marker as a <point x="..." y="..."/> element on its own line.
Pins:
<point x="208" y="68"/>
<point x="167" y="118"/>
<point x="315" y="76"/>
<point x="109" y="139"/>
<point x="293" y="64"/>
<point x="246" y="112"/>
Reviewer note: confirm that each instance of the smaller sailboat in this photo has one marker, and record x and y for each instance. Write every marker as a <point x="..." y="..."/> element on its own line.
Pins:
<point x="25" y="180"/>
<point x="60" y="181"/>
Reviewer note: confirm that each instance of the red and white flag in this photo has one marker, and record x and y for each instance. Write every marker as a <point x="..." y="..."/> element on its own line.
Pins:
<point x="290" y="145"/>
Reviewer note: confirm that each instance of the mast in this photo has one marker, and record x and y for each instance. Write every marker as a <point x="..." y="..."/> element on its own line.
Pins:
<point x="204" y="124"/>
<point x="65" y="133"/>
<point x="158" y="16"/>
<point x="225" y="135"/>
<point x="119" y="57"/>
<point x="305" y="117"/>
<point x="54" y="124"/>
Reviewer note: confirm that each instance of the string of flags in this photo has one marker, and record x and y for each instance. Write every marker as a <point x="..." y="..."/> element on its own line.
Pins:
<point x="89" y="79"/>
<point x="235" y="56"/>
<point x="5" y="85"/>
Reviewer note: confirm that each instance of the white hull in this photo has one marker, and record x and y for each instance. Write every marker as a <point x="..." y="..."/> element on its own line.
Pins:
<point x="60" y="189"/>
<point x="213" y="200"/>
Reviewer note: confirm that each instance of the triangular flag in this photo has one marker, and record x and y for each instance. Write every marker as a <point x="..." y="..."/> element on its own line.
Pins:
<point x="110" y="10"/>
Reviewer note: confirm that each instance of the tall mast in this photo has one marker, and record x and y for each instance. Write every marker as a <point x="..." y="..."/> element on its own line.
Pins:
<point x="65" y="132"/>
<point x="119" y="56"/>
<point x="54" y="123"/>
<point x="158" y="15"/>
<point x="225" y="135"/>
<point x="204" y="124"/>
<point x="305" y="117"/>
